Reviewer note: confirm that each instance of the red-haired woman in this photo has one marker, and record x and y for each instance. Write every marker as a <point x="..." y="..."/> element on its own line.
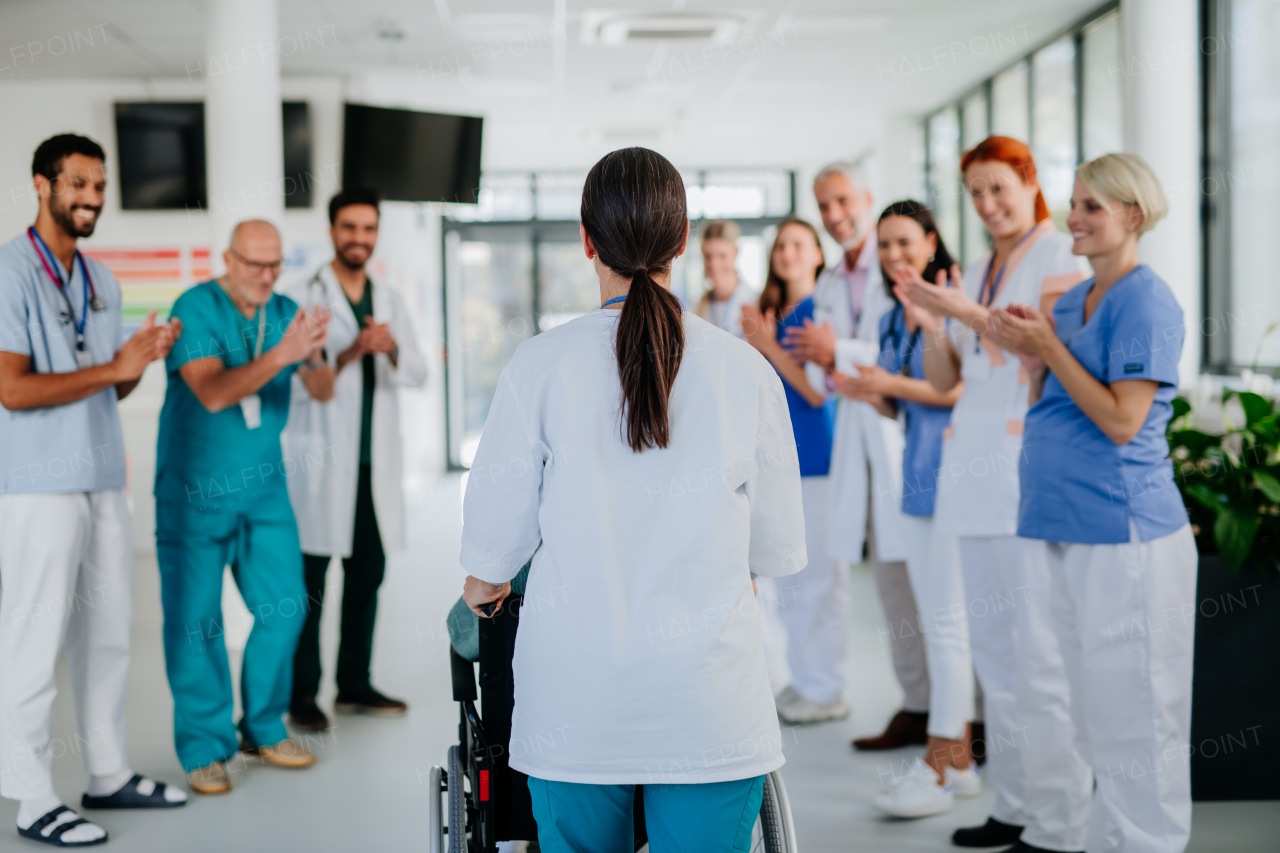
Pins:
<point x="1042" y="785"/>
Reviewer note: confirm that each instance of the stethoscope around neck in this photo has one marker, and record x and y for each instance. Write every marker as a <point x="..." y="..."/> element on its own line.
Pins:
<point x="92" y="301"/>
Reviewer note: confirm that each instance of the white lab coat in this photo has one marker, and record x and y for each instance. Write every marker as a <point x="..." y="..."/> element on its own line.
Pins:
<point x="863" y="437"/>
<point x="322" y="440"/>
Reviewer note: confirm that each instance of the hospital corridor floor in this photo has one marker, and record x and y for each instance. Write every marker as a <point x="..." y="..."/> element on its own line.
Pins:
<point x="368" y="791"/>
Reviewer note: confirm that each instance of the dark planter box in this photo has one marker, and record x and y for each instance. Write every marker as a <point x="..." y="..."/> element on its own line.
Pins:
<point x="1235" y="717"/>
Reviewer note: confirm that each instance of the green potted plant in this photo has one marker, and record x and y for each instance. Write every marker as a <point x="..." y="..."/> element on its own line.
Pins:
<point x="1230" y="482"/>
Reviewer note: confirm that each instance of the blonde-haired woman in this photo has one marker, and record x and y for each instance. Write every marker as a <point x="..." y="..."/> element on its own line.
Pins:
<point x="1098" y="491"/>
<point x="721" y="304"/>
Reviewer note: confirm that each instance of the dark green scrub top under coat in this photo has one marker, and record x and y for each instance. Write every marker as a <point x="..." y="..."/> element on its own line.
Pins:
<point x="362" y="309"/>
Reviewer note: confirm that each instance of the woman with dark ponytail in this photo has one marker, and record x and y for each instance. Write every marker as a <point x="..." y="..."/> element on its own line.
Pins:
<point x="644" y="459"/>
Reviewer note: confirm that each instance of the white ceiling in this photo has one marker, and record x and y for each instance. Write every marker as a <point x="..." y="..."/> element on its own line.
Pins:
<point x="801" y="80"/>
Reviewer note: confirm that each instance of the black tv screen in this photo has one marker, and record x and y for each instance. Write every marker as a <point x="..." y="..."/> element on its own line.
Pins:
<point x="161" y="150"/>
<point x="162" y="155"/>
<point x="412" y="156"/>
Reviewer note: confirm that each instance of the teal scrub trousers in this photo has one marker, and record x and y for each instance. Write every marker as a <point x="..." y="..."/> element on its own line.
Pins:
<point x="260" y="543"/>
<point x="715" y="817"/>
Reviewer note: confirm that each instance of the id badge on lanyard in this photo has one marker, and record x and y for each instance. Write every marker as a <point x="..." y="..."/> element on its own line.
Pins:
<point x="84" y="359"/>
<point x="251" y="406"/>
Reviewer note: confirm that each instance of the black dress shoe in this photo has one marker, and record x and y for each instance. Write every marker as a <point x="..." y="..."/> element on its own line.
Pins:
<point x="369" y="701"/>
<point x="993" y="833"/>
<point x="907" y="728"/>
<point x="308" y="717"/>
<point x="1024" y="847"/>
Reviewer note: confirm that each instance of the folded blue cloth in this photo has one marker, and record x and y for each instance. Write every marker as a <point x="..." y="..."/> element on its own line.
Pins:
<point x="464" y="626"/>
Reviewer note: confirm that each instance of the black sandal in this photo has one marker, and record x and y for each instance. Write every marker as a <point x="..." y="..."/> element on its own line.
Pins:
<point x="128" y="797"/>
<point x="55" y="837"/>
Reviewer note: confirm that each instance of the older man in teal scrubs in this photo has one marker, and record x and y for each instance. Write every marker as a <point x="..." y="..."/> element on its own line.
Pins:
<point x="221" y="500"/>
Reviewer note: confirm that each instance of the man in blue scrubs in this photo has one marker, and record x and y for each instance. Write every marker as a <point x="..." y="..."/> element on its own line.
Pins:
<point x="221" y="500"/>
<point x="66" y="546"/>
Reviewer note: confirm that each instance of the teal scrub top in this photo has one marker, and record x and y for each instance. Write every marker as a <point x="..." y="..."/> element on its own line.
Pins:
<point x="209" y="459"/>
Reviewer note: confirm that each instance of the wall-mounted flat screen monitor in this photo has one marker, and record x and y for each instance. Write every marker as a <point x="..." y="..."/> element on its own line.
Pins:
<point x="412" y="156"/>
<point x="161" y="151"/>
<point x="162" y="155"/>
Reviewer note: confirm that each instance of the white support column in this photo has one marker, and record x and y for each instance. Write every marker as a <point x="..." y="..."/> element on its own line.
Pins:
<point x="1162" y="125"/>
<point x="244" y="144"/>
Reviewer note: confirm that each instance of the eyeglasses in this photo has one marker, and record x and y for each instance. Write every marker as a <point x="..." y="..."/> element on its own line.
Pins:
<point x="256" y="267"/>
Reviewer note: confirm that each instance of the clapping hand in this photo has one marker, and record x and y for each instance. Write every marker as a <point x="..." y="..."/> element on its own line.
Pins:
<point x="375" y="337"/>
<point x="871" y="384"/>
<point x="1024" y="331"/>
<point x="944" y="298"/>
<point x="812" y="342"/>
<point x="151" y="342"/>
<point x="305" y="335"/>
<point x="759" y="327"/>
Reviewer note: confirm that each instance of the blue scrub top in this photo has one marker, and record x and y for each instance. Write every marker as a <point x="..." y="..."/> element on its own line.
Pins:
<point x="922" y="456"/>
<point x="211" y="459"/>
<point x="1077" y="485"/>
<point x="813" y="427"/>
<point x="74" y="447"/>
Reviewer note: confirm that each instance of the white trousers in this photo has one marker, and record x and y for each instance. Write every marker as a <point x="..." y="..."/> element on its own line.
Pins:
<point x="66" y="580"/>
<point x="813" y="605"/>
<point x="1019" y="667"/>
<point x="1125" y="620"/>
<point x="933" y="565"/>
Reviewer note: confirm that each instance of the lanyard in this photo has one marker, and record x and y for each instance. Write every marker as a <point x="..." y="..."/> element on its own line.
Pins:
<point x="897" y="325"/>
<point x="91" y="300"/>
<point x="613" y="300"/>
<point x="986" y="299"/>
<point x="262" y="322"/>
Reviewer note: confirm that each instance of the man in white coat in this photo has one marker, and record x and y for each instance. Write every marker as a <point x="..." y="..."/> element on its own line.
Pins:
<point x="346" y="489"/>
<point x="866" y="461"/>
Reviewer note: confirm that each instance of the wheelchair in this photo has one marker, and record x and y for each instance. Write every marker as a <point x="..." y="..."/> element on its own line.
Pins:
<point x="478" y="800"/>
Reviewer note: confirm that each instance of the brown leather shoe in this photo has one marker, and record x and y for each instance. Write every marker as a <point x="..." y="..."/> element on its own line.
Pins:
<point x="213" y="779"/>
<point x="287" y="753"/>
<point x="978" y="742"/>
<point x="905" y="729"/>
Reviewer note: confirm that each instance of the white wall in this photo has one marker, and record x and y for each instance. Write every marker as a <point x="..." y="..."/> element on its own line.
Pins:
<point x="408" y="256"/>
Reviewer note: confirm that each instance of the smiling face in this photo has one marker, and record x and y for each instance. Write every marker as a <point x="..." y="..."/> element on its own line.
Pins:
<point x="904" y="244"/>
<point x="1006" y="205"/>
<point x="845" y="208"/>
<point x="253" y="261"/>
<point x="355" y="234"/>
<point x="718" y="257"/>
<point x="796" y="255"/>
<point x="75" y="197"/>
<point x="1100" y="225"/>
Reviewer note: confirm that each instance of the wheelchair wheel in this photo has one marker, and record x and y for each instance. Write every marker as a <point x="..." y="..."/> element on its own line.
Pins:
<point x="436" y="785"/>
<point x="457" y="804"/>
<point x="774" y="831"/>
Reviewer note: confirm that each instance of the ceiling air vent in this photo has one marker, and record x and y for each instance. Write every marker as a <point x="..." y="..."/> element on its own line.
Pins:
<point x="618" y="28"/>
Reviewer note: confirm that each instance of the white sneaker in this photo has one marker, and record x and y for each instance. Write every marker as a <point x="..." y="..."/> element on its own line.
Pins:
<point x="804" y="711"/>
<point x="964" y="783"/>
<point x="917" y="794"/>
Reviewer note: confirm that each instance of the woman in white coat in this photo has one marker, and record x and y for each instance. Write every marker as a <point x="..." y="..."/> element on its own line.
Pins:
<point x="644" y="460"/>
<point x="344" y="458"/>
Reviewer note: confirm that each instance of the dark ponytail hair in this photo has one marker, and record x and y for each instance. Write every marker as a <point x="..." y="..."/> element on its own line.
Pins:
<point x="912" y="209"/>
<point x="633" y="209"/>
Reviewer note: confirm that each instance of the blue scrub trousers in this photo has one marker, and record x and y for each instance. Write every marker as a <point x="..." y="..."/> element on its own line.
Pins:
<point x="715" y="817"/>
<point x="260" y="543"/>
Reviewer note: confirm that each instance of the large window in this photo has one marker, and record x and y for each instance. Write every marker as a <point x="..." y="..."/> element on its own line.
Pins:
<point x="1064" y="100"/>
<point x="514" y="267"/>
<point x="1241" y="185"/>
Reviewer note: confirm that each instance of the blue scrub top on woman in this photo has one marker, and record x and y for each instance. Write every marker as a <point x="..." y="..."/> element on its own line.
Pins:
<point x="1078" y="485"/>
<point x="925" y="424"/>
<point x="814" y="426"/>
